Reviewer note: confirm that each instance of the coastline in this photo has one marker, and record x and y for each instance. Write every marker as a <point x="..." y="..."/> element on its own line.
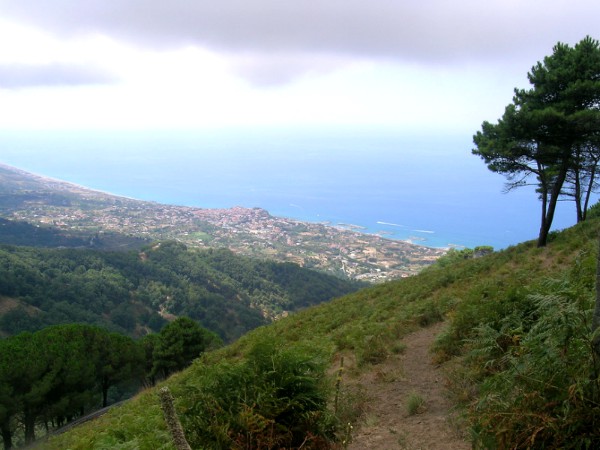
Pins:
<point x="385" y="230"/>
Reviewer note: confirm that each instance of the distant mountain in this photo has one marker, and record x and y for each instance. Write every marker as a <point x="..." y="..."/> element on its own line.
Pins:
<point x="107" y="221"/>
<point x="136" y="292"/>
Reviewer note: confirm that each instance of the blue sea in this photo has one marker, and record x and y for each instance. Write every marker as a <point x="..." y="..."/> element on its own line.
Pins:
<point x="422" y="187"/>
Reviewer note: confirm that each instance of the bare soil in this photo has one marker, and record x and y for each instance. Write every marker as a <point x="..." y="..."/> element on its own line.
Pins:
<point x="387" y="423"/>
<point x="7" y="304"/>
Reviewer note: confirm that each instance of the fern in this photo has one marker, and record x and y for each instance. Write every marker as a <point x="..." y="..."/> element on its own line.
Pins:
<point x="536" y="389"/>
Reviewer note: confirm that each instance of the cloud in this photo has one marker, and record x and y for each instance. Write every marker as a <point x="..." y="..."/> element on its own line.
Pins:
<point x="424" y="32"/>
<point x="280" y="68"/>
<point x="431" y="28"/>
<point x="14" y="76"/>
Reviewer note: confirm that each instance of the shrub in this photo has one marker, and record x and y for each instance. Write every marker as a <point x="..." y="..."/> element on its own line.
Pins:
<point x="414" y="404"/>
<point x="430" y="314"/>
<point x="181" y="341"/>
<point x="274" y="398"/>
<point x="374" y="351"/>
<point x="540" y="387"/>
<point x="593" y="211"/>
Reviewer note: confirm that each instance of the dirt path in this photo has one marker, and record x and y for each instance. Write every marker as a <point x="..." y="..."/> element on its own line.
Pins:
<point x="387" y="423"/>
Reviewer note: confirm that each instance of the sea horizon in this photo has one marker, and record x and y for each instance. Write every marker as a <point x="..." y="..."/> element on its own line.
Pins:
<point x="428" y="190"/>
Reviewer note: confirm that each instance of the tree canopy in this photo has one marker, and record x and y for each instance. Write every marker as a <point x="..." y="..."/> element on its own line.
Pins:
<point x="181" y="341"/>
<point x="57" y="374"/>
<point x="551" y="132"/>
<point x="131" y="292"/>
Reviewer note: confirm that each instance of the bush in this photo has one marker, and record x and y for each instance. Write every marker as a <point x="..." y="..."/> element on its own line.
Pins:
<point x="375" y="351"/>
<point x="540" y="387"/>
<point x="275" y="398"/>
<point x="181" y="341"/>
<point x="593" y="211"/>
<point x="415" y="404"/>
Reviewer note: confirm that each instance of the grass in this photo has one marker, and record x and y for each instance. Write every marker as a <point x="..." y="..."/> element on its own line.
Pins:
<point x="415" y="404"/>
<point x="389" y="376"/>
<point x="368" y="326"/>
<point x="200" y="235"/>
<point x="371" y="420"/>
<point x="398" y="348"/>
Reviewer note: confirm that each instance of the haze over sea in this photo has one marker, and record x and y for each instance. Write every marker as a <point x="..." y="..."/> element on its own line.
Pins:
<point x="426" y="189"/>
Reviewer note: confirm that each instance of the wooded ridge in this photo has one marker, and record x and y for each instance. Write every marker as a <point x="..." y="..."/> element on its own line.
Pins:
<point x="135" y="292"/>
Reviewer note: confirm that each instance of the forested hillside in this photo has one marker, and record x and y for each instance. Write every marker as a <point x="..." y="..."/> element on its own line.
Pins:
<point x="516" y="345"/>
<point x="134" y="292"/>
<point x="63" y="372"/>
<point x="15" y="232"/>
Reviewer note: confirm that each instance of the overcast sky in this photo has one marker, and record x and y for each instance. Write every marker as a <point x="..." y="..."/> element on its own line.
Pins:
<point x="429" y="65"/>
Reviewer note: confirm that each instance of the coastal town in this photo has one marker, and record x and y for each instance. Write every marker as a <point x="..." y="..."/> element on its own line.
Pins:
<point x="327" y="247"/>
<point x="333" y="248"/>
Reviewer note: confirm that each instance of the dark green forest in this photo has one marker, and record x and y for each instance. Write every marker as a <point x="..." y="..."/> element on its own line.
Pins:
<point x="16" y="232"/>
<point x="60" y="373"/>
<point x="133" y="292"/>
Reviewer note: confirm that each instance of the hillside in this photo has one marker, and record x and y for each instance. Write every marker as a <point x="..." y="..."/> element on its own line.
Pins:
<point x="136" y="291"/>
<point x="500" y="312"/>
<point x="107" y="221"/>
<point x="15" y="232"/>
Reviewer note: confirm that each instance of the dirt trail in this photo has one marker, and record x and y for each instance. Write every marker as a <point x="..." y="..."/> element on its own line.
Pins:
<point x="387" y="424"/>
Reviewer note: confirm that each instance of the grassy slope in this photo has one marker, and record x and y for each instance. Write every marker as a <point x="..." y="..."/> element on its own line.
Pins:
<point x="365" y="326"/>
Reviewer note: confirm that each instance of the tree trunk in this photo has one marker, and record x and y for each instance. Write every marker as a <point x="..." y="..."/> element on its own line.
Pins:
<point x="542" y="236"/>
<point x="29" y="421"/>
<point x="547" y="223"/>
<point x="578" y="195"/>
<point x="548" y="217"/>
<point x="104" y="394"/>
<point x="588" y="194"/>
<point x="6" y="434"/>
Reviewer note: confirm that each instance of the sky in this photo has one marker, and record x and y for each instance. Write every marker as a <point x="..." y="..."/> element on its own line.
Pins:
<point x="432" y="65"/>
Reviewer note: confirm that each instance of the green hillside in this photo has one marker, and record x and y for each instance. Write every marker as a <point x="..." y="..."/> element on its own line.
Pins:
<point x="136" y="292"/>
<point x="518" y="321"/>
<point x="16" y="232"/>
